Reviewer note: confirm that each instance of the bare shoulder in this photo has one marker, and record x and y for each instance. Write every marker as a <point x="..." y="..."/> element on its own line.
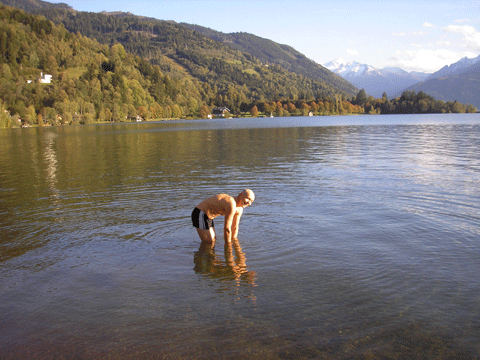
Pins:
<point x="228" y="202"/>
<point x="225" y="198"/>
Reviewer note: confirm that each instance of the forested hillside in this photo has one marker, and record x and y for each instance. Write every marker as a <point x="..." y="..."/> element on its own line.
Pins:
<point x="90" y="81"/>
<point x="32" y="5"/>
<point x="410" y="102"/>
<point x="49" y="75"/>
<point x="180" y="51"/>
<point x="270" y="52"/>
<point x="464" y="86"/>
<point x="95" y="82"/>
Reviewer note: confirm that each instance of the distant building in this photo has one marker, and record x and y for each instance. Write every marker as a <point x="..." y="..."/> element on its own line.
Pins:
<point x="220" y="111"/>
<point x="45" y="79"/>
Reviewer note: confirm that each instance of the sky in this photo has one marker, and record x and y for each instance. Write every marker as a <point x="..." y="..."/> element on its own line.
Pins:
<point x="415" y="35"/>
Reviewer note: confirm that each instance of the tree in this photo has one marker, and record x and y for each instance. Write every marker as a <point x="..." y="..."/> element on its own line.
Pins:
<point x="131" y="112"/>
<point x="458" y="108"/>
<point x="143" y="112"/>
<point x="117" y="53"/>
<point x="30" y="115"/>
<point x="422" y="106"/>
<point x="291" y="108"/>
<point x="204" y="112"/>
<point x="254" y="111"/>
<point x="167" y="112"/>
<point x="5" y="119"/>
<point x="108" y="115"/>
<point x="471" y="109"/>
<point x="40" y="120"/>
<point x="102" y="115"/>
<point x="118" y="114"/>
<point x="361" y="97"/>
<point x="176" y="111"/>
<point x="305" y="109"/>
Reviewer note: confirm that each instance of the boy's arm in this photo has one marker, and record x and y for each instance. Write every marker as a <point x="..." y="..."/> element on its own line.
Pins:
<point x="227" y="227"/>
<point x="229" y="219"/>
<point x="236" y="223"/>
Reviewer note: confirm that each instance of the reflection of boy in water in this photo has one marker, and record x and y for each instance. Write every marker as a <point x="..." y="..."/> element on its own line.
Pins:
<point x="234" y="267"/>
<point x="221" y="205"/>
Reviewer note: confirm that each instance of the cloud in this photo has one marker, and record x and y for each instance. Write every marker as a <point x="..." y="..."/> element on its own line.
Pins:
<point x="461" y="21"/>
<point x="444" y="43"/>
<point x="428" y="25"/>
<point x="429" y="60"/>
<point x="456" y="42"/>
<point x="399" y="34"/>
<point x="471" y="37"/>
<point x="352" y="52"/>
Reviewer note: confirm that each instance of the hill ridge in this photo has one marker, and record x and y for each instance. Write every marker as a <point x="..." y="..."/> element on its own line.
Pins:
<point x="297" y="63"/>
<point x="284" y="55"/>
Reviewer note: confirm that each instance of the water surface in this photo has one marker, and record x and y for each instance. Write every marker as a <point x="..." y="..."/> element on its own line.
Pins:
<point x="363" y="240"/>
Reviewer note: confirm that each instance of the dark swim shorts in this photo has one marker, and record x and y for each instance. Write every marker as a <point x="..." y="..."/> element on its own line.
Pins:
<point x="200" y="220"/>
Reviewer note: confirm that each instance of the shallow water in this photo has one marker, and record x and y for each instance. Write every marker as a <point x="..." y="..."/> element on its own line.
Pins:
<point x="363" y="240"/>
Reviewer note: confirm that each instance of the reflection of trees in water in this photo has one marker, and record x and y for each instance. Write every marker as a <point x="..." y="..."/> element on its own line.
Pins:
<point x="232" y="271"/>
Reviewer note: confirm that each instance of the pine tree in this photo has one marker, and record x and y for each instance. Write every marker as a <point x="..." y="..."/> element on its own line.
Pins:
<point x="361" y="97"/>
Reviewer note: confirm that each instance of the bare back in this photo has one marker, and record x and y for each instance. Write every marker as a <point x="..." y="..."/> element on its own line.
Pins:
<point x="218" y="205"/>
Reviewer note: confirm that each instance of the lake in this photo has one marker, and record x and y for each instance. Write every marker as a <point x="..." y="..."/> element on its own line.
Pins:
<point x="363" y="241"/>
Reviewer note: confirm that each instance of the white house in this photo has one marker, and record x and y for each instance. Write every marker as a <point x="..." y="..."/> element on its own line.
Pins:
<point x="45" y="79"/>
<point x="220" y="111"/>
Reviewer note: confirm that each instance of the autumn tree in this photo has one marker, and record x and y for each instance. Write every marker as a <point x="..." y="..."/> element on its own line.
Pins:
<point x="291" y="108"/>
<point x="254" y="111"/>
<point x="305" y="109"/>
<point x="143" y="112"/>
<point x="204" y="112"/>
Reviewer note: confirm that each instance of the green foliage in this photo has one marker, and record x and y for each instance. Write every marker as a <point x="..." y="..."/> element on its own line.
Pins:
<point x="184" y="53"/>
<point x="326" y="106"/>
<point x="175" y="73"/>
<point x="5" y="119"/>
<point x="411" y="102"/>
<point x="361" y="97"/>
<point x="90" y="81"/>
<point x="270" y="52"/>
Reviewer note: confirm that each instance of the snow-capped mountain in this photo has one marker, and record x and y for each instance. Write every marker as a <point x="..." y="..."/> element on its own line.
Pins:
<point x="349" y="69"/>
<point x="454" y="69"/>
<point x="459" y="81"/>
<point x="375" y="81"/>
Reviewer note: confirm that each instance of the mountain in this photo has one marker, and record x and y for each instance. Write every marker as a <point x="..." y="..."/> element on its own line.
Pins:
<point x="458" y="82"/>
<point x="375" y="81"/>
<point x="454" y="69"/>
<point x="89" y="81"/>
<point x="32" y="5"/>
<point x="182" y="52"/>
<point x="270" y="52"/>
